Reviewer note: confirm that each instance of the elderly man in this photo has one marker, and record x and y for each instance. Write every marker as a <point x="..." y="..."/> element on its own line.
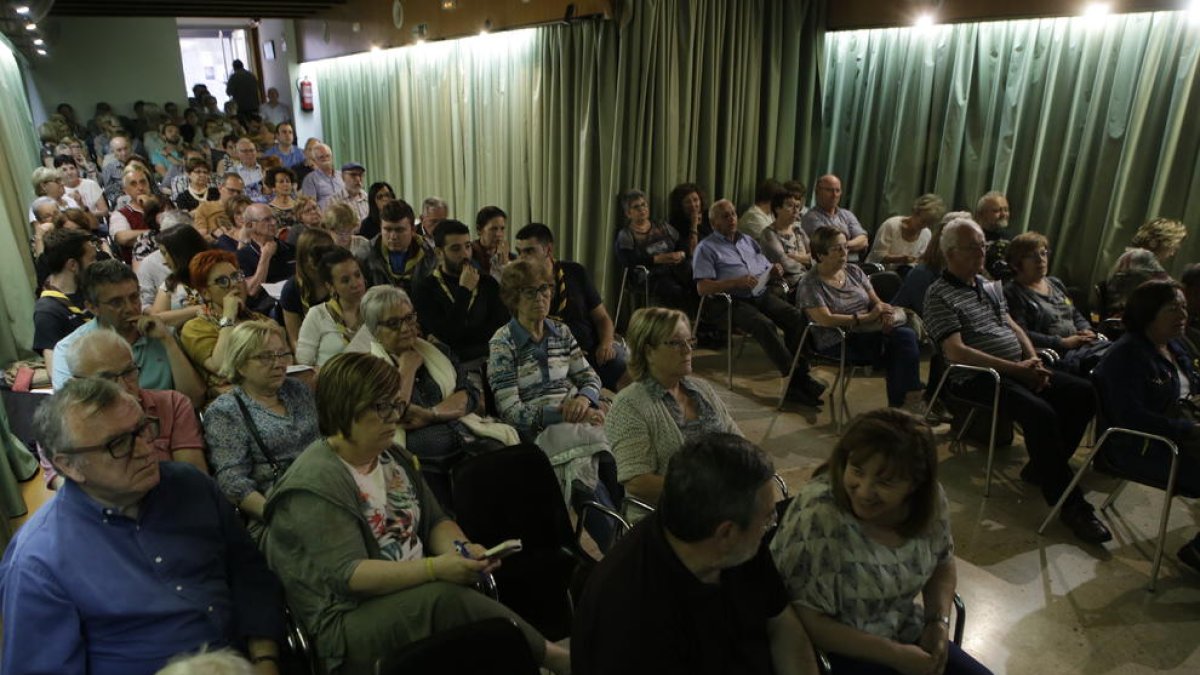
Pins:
<point x="322" y="183"/>
<point x="827" y="212"/>
<point x="265" y="260"/>
<point x="458" y="304"/>
<point x="133" y="561"/>
<point x="111" y="294"/>
<point x="120" y="149"/>
<point x="692" y="588"/>
<point x="352" y="193"/>
<point x="576" y="302"/>
<point x="991" y="212"/>
<point x="968" y="317"/>
<point x="398" y="255"/>
<point x="728" y="261"/>
<point x="433" y="211"/>
<point x="249" y="169"/>
<point x="128" y="223"/>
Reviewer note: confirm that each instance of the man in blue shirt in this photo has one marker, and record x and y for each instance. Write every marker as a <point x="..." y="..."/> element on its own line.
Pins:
<point x="828" y="213"/>
<point x="133" y="561"/>
<point x="727" y="261"/>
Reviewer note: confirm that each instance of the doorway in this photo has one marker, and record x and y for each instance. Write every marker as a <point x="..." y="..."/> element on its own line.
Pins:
<point x="208" y="56"/>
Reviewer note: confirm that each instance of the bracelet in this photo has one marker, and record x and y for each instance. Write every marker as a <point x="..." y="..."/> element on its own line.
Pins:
<point x="265" y="657"/>
<point x="429" y="569"/>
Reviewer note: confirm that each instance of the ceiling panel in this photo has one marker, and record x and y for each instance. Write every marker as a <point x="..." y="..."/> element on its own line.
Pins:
<point x="254" y="9"/>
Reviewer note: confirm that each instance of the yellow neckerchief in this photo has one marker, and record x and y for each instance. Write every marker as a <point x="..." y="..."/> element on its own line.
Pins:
<point x="65" y="300"/>
<point x="409" y="262"/>
<point x="558" y="304"/>
<point x="437" y="273"/>
<point x="335" y="311"/>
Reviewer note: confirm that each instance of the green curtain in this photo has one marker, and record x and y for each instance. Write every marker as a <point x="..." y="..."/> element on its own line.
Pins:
<point x="1090" y="127"/>
<point x="553" y="123"/>
<point x="18" y="158"/>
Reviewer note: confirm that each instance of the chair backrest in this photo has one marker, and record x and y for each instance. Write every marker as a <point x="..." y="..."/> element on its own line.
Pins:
<point x="886" y="285"/>
<point x="488" y="646"/>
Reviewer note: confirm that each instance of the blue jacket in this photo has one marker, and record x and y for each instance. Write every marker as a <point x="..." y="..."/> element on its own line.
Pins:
<point x="1138" y="386"/>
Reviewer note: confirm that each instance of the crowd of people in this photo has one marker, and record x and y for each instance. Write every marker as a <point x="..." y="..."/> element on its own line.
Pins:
<point x="346" y="350"/>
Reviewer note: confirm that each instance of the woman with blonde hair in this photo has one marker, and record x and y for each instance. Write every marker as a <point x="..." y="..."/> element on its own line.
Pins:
<point x="342" y="222"/>
<point x="1152" y="248"/>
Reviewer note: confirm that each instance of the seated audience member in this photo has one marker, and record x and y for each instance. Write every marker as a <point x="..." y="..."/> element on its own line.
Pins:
<point x="991" y="212"/>
<point x="84" y="191"/>
<point x="264" y="259"/>
<point x="1151" y="250"/>
<point x="665" y="407"/>
<point x="120" y="149"/>
<point x="912" y="291"/>
<point x="105" y="355"/>
<point x="110" y="291"/>
<point x="283" y="200"/>
<point x="433" y="211"/>
<point x="656" y="247"/>
<point x="48" y="182"/>
<point x="1040" y="304"/>
<point x="259" y="132"/>
<point x="368" y="558"/>
<point x="490" y="249"/>
<point x="129" y="222"/>
<point x="341" y="221"/>
<point x="285" y="146"/>
<point x="176" y="301"/>
<point x="1147" y="382"/>
<point x="901" y="240"/>
<point x="439" y="425"/>
<point x="783" y="241"/>
<point x="398" y="255"/>
<point x="575" y="302"/>
<point x="692" y="589"/>
<point x="199" y="190"/>
<point x="212" y="217"/>
<point x="835" y="295"/>
<point x="828" y="213"/>
<point x="968" y="317"/>
<point x="307" y="215"/>
<point x="177" y="181"/>
<point x="209" y="662"/>
<point x="687" y="212"/>
<point x="248" y="167"/>
<point x="352" y="193"/>
<point x="758" y="217"/>
<point x="169" y="154"/>
<point x="59" y="309"/>
<point x="1190" y="279"/>
<point x="275" y="113"/>
<point x="260" y="426"/>
<point x="214" y="274"/>
<point x="377" y="195"/>
<point x="728" y="261"/>
<point x="459" y="304"/>
<point x="305" y="289"/>
<point x="322" y="183"/>
<point x="45" y="212"/>
<point x="329" y="326"/>
<point x="152" y="270"/>
<point x="121" y="531"/>
<point x="862" y="539"/>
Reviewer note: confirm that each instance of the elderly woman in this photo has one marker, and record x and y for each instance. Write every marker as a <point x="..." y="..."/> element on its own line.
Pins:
<point x="199" y="186"/>
<point x="48" y="182"/>
<point x="912" y="292"/>
<point x="308" y="216"/>
<point x="1040" y="304"/>
<point x="440" y="425"/>
<point x="901" y="240"/>
<point x="665" y="407"/>
<point x="205" y="339"/>
<point x="862" y="539"/>
<point x="256" y="429"/>
<point x="836" y="295"/>
<point x="1152" y="247"/>
<point x="176" y="301"/>
<point x="369" y="560"/>
<point x="341" y="221"/>
<point x="656" y="247"/>
<point x="237" y="235"/>
<point x="1147" y="382"/>
<point x="305" y="289"/>
<point x="783" y="241"/>
<point x="329" y="326"/>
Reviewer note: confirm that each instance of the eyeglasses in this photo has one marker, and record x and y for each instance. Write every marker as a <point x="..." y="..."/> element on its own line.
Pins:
<point x="133" y="370"/>
<point x="680" y="345"/>
<point x="532" y="292"/>
<point x="271" y="358"/>
<point x="121" y="446"/>
<point x="399" y="322"/>
<point x="1043" y="254"/>
<point x="392" y="411"/>
<point x="225" y="281"/>
<point x="980" y="247"/>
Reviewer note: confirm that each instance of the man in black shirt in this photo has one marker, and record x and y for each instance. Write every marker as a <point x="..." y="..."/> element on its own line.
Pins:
<point x="59" y="309"/>
<point x="577" y="303"/>
<point x="692" y="589"/>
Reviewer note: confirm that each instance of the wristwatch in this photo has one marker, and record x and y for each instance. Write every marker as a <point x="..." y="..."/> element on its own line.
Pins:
<point x="224" y="322"/>
<point x="943" y="619"/>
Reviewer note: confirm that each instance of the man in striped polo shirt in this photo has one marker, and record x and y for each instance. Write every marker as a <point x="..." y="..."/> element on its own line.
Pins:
<point x="967" y="316"/>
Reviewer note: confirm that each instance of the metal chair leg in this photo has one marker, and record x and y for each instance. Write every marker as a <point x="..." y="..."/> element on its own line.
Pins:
<point x="1168" y="497"/>
<point x="621" y="297"/>
<point x="729" y="342"/>
<point x="1112" y="498"/>
<point x="1062" y="499"/>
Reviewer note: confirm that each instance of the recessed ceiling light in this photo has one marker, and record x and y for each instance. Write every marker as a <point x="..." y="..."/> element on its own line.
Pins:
<point x="924" y="20"/>
<point x="31" y="26"/>
<point x="1097" y="9"/>
<point x="22" y="10"/>
<point x="39" y="42"/>
<point x="41" y="52"/>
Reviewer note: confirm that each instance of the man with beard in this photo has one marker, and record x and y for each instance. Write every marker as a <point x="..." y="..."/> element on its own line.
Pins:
<point x="991" y="212"/>
<point x="58" y="311"/>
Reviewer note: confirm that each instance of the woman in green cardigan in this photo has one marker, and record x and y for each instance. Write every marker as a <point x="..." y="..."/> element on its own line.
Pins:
<point x="652" y="418"/>
<point x="369" y="561"/>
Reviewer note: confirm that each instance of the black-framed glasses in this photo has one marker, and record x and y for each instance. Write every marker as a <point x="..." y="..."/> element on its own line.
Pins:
<point x="225" y="281"/>
<point x="121" y="446"/>
<point x="133" y="370"/>
<point x="681" y="345"/>
<point x="399" y="322"/>
<point x="271" y="358"/>
<point x="390" y="411"/>
<point x="532" y="292"/>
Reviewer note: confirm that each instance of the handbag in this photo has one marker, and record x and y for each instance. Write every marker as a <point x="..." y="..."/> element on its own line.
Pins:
<point x="276" y="468"/>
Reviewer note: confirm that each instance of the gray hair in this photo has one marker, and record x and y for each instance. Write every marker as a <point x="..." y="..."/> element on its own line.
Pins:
<point x="51" y="422"/>
<point x="930" y="204"/>
<point x="172" y="218"/>
<point x="712" y="210"/>
<point x="245" y="340"/>
<point x="987" y="197"/>
<point x="378" y="300"/>
<point x="43" y="174"/>
<point x="43" y="202"/>
<point x="222" y="662"/>
<point x="434" y="202"/>
<point x="950" y="233"/>
<point x="630" y="197"/>
<point x="90" y="342"/>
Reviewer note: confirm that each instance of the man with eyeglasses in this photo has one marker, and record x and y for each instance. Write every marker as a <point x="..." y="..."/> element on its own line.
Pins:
<point x="134" y="560"/>
<point x="249" y="169"/>
<point x="457" y="303"/>
<point x="104" y="354"/>
<point x="398" y="255"/>
<point x="265" y="260"/>
<point x="968" y="317"/>
<point x="323" y="182"/>
<point x="692" y="588"/>
<point x="111" y="294"/>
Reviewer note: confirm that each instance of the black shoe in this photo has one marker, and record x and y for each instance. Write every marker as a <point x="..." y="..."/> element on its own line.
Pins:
<point x="813" y="386"/>
<point x="801" y="395"/>
<point x="1190" y="554"/>
<point x="1028" y="476"/>
<point x="1082" y="521"/>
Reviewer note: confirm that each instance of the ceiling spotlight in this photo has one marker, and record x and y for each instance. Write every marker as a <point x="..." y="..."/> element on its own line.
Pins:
<point x="924" y="20"/>
<point x="449" y="5"/>
<point x="374" y="48"/>
<point x="39" y="42"/>
<point x="22" y="9"/>
<point x="31" y="26"/>
<point x="1194" y="11"/>
<point x="1097" y="9"/>
<point x="41" y="52"/>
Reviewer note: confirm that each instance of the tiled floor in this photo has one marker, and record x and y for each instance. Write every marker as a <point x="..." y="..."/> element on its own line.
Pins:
<point x="1035" y="604"/>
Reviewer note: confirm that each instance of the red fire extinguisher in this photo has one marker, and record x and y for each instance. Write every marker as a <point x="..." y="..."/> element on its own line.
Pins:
<point x="306" y="95"/>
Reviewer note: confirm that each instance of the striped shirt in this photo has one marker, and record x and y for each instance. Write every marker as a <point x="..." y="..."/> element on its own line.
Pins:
<point x="978" y="313"/>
